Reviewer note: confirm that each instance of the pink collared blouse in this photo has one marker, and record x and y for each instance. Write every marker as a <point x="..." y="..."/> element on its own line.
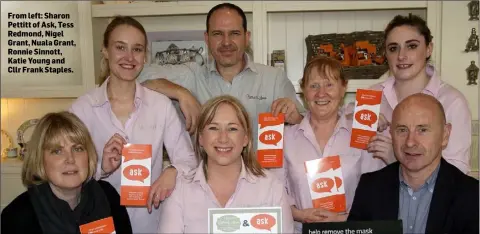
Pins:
<point x="154" y="121"/>
<point x="300" y="145"/>
<point x="187" y="207"/>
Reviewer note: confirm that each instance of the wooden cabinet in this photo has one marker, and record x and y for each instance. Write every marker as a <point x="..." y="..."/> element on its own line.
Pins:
<point x="49" y="59"/>
<point x="11" y="181"/>
<point x="277" y="25"/>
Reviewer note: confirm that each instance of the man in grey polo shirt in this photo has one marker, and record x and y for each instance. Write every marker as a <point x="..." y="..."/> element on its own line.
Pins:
<point x="260" y="88"/>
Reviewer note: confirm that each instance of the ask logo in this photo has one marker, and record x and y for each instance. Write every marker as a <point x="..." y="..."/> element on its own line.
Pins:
<point x="257" y="97"/>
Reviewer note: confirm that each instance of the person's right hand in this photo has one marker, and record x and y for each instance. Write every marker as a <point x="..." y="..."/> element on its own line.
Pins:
<point x="383" y="123"/>
<point x="112" y="154"/>
<point x="191" y="110"/>
<point x="312" y="215"/>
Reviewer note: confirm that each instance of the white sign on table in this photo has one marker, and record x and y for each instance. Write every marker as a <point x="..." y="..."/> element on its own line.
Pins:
<point x="245" y="220"/>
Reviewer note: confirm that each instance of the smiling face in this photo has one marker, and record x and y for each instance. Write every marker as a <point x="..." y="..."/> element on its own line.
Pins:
<point x="323" y="94"/>
<point x="224" y="138"/>
<point x="125" y="52"/>
<point x="226" y="37"/>
<point x="407" y="52"/>
<point x="419" y="134"/>
<point x="66" y="164"/>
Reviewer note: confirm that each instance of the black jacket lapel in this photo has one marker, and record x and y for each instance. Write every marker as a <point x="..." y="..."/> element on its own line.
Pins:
<point x="441" y="200"/>
<point x="390" y="195"/>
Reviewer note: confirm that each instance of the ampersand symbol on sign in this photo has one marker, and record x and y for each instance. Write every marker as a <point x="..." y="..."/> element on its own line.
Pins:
<point x="245" y="223"/>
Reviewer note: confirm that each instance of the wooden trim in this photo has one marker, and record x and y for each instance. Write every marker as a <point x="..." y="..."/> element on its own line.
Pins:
<point x="149" y="8"/>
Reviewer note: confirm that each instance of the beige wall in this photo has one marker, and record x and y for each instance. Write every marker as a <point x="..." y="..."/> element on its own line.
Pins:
<point x="15" y="111"/>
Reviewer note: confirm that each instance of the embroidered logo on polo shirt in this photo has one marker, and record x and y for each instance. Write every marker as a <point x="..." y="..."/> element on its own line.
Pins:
<point x="258" y="97"/>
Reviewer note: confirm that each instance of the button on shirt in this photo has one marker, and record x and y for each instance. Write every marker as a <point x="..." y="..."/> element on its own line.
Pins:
<point x="154" y="121"/>
<point x="256" y="86"/>
<point x="300" y="145"/>
<point x="187" y="207"/>
<point x="415" y="205"/>
<point x="457" y="113"/>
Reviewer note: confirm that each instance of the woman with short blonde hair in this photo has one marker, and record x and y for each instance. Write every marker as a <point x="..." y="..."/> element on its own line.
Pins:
<point x="51" y="127"/>
<point x="228" y="176"/>
<point x="62" y="194"/>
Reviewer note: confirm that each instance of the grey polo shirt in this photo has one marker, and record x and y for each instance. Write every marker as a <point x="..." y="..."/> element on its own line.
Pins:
<point x="256" y="86"/>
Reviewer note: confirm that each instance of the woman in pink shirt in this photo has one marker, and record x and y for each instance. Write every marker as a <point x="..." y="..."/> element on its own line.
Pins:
<point x="324" y="131"/>
<point x="408" y="47"/>
<point x="122" y="111"/>
<point x="228" y="176"/>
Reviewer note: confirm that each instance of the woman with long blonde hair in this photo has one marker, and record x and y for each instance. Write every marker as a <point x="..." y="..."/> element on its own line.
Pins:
<point x="228" y="176"/>
<point x="122" y="111"/>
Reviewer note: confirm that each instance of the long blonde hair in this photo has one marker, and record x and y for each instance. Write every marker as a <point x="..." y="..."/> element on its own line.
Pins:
<point x="49" y="130"/>
<point x="209" y="109"/>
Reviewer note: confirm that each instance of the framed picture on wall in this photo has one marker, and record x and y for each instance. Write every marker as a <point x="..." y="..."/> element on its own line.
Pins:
<point x="177" y="47"/>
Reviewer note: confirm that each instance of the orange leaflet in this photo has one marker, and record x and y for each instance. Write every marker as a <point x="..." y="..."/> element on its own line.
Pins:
<point x="322" y="185"/>
<point x="270" y="137"/>
<point x="263" y="221"/>
<point x="136" y="152"/>
<point x="136" y="172"/>
<point x="328" y="163"/>
<point x="366" y="117"/>
<point x="368" y="97"/>
<point x="100" y="226"/>
<point x="267" y="119"/>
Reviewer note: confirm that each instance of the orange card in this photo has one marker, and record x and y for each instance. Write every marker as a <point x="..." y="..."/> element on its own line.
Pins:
<point x="325" y="178"/>
<point x="270" y="140"/>
<point x="136" y="175"/>
<point x="365" y="121"/>
<point x="100" y="226"/>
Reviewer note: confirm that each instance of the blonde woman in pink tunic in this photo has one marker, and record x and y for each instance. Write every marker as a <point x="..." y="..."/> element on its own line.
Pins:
<point x="229" y="175"/>
<point x="122" y="111"/>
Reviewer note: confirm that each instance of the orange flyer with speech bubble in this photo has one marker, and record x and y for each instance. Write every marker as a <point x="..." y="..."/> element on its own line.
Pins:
<point x="136" y="174"/>
<point x="325" y="178"/>
<point x="100" y="226"/>
<point x="365" y="117"/>
<point x="270" y="140"/>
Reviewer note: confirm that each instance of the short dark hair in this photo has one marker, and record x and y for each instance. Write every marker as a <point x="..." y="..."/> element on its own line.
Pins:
<point x="413" y="21"/>
<point x="228" y="6"/>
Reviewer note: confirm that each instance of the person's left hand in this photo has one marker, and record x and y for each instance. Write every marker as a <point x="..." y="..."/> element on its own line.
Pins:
<point x="287" y="107"/>
<point x="380" y="146"/>
<point x="162" y="188"/>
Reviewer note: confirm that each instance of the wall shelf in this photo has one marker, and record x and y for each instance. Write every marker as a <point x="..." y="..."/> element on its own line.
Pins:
<point x="352" y="86"/>
<point x="160" y="8"/>
<point x="304" y="6"/>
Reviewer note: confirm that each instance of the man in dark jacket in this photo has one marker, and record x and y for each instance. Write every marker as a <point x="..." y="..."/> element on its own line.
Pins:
<point x="423" y="190"/>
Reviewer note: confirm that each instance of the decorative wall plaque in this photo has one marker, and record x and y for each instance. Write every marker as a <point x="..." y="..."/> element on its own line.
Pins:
<point x="473" y="10"/>
<point x="472" y="44"/>
<point x="472" y="73"/>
